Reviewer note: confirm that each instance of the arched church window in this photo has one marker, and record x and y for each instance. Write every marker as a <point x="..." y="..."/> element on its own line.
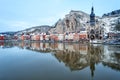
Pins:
<point x="92" y="37"/>
<point x="92" y="31"/>
<point x="97" y="36"/>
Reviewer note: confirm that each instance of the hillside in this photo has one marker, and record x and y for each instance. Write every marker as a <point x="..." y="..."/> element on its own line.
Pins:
<point x="76" y="21"/>
<point x="111" y="19"/>
<point x="36" y="29"/>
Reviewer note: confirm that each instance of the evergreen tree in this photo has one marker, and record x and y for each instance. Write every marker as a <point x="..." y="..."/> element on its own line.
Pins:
<point x="117" y="27"/>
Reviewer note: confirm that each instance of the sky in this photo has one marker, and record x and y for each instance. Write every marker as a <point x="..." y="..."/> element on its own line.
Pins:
<point x="18" y="15"/>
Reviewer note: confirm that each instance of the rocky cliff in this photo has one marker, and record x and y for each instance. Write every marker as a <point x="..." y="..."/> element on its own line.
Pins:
<point x="76" y="21"/>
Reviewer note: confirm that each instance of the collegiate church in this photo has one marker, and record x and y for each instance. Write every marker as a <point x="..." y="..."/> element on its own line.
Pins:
<point x="94" y="30"/>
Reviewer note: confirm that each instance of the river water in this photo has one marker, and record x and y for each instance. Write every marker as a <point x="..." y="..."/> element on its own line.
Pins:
<point x="59" y="61"/>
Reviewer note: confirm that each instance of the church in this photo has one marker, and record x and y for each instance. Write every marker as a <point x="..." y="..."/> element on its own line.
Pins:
<point x="95" y="31"/>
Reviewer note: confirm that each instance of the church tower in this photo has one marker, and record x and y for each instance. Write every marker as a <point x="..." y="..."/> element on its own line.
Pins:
<point x="95" y="30"/>
<point x="92" y="17"/>
<point x="92" y="25"/>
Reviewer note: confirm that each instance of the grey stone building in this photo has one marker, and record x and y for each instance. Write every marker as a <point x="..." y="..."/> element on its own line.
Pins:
<point x="95" y="31"/>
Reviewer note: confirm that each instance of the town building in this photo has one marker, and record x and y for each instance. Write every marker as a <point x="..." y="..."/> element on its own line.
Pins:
<point x="2" y="37"/>
<point x="95" y="31"/>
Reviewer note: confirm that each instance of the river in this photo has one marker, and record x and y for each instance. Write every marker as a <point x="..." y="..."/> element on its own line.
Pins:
<point x="59" y="61"/>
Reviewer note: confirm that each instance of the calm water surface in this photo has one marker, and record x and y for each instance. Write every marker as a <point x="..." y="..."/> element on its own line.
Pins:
<point x="58" y="61"/>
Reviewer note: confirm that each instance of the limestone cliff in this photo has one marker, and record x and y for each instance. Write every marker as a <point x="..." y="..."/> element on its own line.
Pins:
<point x="77" y="21"/>
<point x="73" y="22"/>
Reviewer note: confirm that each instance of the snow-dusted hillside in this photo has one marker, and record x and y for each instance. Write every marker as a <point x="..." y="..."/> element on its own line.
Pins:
<point x="110" y="22"/>
<point x="77" y="21"/>
<point x="37" y="29"/>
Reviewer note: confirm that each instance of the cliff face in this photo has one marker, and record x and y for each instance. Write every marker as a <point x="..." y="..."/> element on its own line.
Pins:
<point x="77" y="21"/>
<point x="74" y="21"/>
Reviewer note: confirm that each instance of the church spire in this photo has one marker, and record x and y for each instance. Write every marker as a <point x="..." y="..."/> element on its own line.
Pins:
<point x="92" y="17"/>
<point x="92" y="10"/>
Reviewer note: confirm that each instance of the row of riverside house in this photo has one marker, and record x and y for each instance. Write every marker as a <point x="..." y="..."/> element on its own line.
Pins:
<point x="66" y="37"/>
<point x="4" y="37"/>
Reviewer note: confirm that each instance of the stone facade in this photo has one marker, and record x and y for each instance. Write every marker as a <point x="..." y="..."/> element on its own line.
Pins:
<point x="95" y="30"/>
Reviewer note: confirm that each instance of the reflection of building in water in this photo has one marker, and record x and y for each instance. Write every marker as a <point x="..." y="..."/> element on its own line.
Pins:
<point x="6" y="45"/>
<point x="56" y="47"/>
<point x="40" y="47"/>
<point x="22" y="44"/>
<point x="75" y="56"/>
<point x="95" y="55"/>
<point x="111" y="57"/>
<point x="114" y="48"/>
<point x="114" y="62"/>
<point x="77" y="60"/>
<point x="35" y="46"/>
<point x="1" y="43"/>
<point x="83" y="49"/>
<point x="71" y="59"/>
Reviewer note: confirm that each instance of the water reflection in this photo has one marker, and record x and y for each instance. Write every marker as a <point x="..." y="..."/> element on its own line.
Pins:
<point x="111" y="57"/>
<point x="75" y="56"/>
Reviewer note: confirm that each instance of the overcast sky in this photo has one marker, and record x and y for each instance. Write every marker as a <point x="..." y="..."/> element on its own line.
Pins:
<point x="21" y="14"/>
